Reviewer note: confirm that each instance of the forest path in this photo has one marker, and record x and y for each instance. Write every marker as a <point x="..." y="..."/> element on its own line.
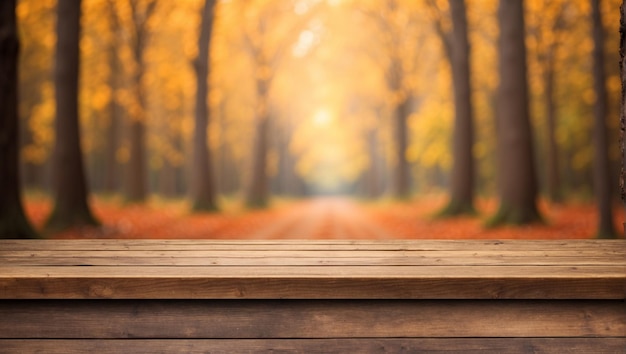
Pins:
<point x="323" y="218"/>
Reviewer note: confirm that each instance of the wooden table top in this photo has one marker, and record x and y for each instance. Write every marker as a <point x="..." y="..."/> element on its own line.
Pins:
<point x="299" y="269"/>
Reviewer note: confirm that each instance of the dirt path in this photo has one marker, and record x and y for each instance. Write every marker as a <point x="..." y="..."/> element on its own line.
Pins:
<point x="322" y="218"/>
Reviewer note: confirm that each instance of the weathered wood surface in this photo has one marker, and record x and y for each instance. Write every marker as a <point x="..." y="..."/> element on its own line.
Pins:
<point x="290" y="244"/>
<point x="314" y="346"/>
<point x="198" y="296"/>
<point x="189" y="319"/>
<point x="195" y="269"/>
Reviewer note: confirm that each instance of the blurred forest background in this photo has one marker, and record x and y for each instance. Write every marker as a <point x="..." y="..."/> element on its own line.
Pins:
<point x="312" y="97"/>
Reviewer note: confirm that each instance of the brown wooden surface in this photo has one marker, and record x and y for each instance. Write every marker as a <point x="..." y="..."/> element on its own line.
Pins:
<point x="290" y="244"/>
<point x="310" y="319"/>
<point x="419" y="269"/>
<point x="346" y="296"/>
<point x="360" y="345"/>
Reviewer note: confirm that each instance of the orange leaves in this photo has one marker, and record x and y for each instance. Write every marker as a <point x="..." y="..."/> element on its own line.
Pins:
<point x="321" y="218"/>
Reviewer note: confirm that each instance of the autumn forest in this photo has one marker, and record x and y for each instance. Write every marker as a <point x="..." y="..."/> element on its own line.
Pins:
<point x="369" y="118"/>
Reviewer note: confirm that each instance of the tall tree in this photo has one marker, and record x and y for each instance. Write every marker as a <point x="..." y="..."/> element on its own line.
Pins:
<point x="516" y="170"/>
<point x="547" y="32"/>
<point x="267" y="50"/>
<point x="13" y="222"/>
<point x="373" y="179"/>
<point x="264" y="61"/>
<point x="457" y="50"/>
<point x="111" y="183"/>
<point x="401" y="111"/>
<point x="549" y="76"/>
<point x="257" y="193"/>
<point x="401" y="100"/>
<point x="70" y="186"/>
<point x="137" y="189"/>
<point x="622" y="53"/>
<point x="602" y="179"/>
<point x="204" y="191"/>
<point x="400" y="48"/>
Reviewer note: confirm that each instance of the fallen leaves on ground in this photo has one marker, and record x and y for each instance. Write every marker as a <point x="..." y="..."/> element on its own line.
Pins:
<point x="408" y="220"/>
<point x="415" y="220"/>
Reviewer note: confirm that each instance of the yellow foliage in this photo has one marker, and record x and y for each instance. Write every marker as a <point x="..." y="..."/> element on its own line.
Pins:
<point x="101" y="98"/>
<point x="355" y="60"/>
<point x="34" y="154"/>
<point x="582" y="159"/>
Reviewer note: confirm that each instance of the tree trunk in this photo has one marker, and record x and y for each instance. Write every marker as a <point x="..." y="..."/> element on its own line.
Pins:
<point x="372" y="184"/>
<point x="462" y="179"/>
<point x="401" y="183"/>
<point x="112" y="170"/>
<point x="137" y="188"/>
<point x="554" y="180"/>
<point x="516" y="170"/>
<point x="13" y="222"/>
<point x="280" y="182"/>
<point x="136" y="169"/>
<point x="622" y="52"/>
<point x="602" y="180"/>
<point x="401" y="186"/>
<point x="70" y="187"/>
<point x="258" y="190"/>
<point x="228" y="176"/>
<point x="167" y="179"/>
<point x="204" y="193"/>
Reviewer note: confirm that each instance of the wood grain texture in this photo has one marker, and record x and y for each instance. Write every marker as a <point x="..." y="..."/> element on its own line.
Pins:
<point x="255" y="254"/>
<point x="314" y="346"/>
<point x="419" y="245"/>
<point x="126" y="319"/>
<point x="309" y="283"/>
<point x="312" y="296"/>
<point x="218" y="260"/>
<point x="135" y="269"/>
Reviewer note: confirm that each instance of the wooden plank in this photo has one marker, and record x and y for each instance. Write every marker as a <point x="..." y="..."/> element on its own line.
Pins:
<point x="335" y="273"/>
<point x="310" y="254"/>
<point x="497" y="272"/>
<point x="618" y="256"/>
<point x="314" y="346"/>
<point x="310" y="319"/>
<point x="496" y="282"/>
<point x="313" y="244"/>
<point x="259" y="261"/>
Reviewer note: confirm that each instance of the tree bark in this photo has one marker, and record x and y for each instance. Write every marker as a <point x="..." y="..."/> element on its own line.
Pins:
<point x="554" y="180"/>
<point x="112" y="170"/>
<point x="516" y="170"/>
<point x="372" y="184"/>
<point x="622" y="52"/>
<point x="402" y="186"/>
<point x="204" y="193"/>
<point x="547" y="58"/>
<point x="228" y="178"/>
<point x="70" y="187"/>
<point x="462" y="179"/>
<point x="257" y="195"/>
<point x="400" y="110"/>
<point x="137" y="188"/>
<point x="13" y="221"/>
<point x="602" y="179"/>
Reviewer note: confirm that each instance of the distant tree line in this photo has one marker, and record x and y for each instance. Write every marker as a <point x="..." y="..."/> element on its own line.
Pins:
<point x="515" y="169"/>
